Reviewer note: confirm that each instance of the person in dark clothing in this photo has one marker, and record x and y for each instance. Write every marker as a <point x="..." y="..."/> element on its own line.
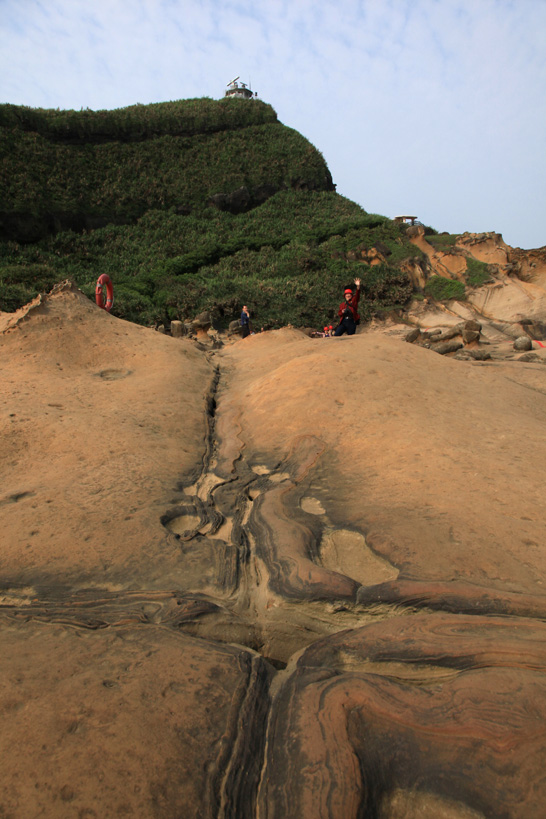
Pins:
<point x="348" y="312"/>
<point x="245" y="322"/>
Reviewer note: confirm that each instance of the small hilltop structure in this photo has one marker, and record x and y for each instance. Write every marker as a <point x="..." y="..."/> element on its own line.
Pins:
<point x="407" y="220"/>
<point x="240" y="90"/>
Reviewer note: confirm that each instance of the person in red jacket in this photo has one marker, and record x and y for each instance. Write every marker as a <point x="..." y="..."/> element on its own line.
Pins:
<point x="348" y="312"/>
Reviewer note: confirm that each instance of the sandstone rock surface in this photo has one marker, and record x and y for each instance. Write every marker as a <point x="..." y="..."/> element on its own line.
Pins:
<point x="291" y="577"/>
<point x="177" y="329"/>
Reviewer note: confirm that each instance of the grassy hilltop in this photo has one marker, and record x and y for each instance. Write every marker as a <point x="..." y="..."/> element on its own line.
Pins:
<point x="190" y="205"/>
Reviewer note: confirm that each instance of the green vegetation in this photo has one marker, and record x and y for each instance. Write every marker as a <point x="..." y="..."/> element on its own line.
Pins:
<point x="137" y="122"/>
<point x="133" y="193"/>
<point x="430" y="231"/>
<point x="286" y="257"/>
<point x="443" y="289"/>
<point x="443" y="241"/>
<point x="86" y="184"/>
<point x="20" y="283"/>
<point x="477" y="272"/>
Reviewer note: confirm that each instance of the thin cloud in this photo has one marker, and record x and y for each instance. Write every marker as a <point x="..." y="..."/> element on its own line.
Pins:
<point x="436" y="107"/>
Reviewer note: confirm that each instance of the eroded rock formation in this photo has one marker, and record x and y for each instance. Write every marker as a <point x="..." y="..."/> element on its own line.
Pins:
<point x="287" y="578"/>
<point x="514" y="296"/>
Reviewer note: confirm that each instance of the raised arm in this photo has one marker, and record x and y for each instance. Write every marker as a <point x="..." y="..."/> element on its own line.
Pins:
<point x="357" y="294"/>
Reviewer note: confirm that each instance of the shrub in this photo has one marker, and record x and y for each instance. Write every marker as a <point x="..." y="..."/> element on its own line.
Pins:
<point x="430" y="231"/>
<point x="441" y="289"/>
<point x="20" y="283"/>
<point x="443" y="241"/>
<point x="126" y="193"/>
<point x="13" y="296"/>
<point x="384" y="286"/>
<point x="132" y="306"/>
<point x="477" y="273"/>
<point x="138" y="122"/>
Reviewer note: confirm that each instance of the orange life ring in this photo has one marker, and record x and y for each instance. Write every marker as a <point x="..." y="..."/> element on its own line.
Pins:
<point x="102" y="282"/>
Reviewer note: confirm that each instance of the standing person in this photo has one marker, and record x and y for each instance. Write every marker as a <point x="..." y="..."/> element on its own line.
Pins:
<point x="245" y="322"/>
<point x="348" y="315"/>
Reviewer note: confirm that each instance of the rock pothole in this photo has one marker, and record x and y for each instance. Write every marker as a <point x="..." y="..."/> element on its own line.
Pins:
<point x="183" y="524"/>
<point x="113" y="374"/>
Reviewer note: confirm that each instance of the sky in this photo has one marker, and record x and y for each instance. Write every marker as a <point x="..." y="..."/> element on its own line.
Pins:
<point x="428" y="108"/>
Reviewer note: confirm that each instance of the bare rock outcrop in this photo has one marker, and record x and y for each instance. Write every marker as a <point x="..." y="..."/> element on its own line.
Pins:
<point x="516" y="291"/>
<point x="128" y="720"/>
<point x="372" y="255"/>
<point x="230" y="588"/>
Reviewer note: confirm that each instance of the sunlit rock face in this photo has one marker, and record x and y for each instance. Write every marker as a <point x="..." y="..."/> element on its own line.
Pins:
<point x="290" y="577"/>
<point x="514" y="290"/>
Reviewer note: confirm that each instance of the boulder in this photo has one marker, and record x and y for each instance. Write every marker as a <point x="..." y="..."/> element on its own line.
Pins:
<point x="473" y="355"/>
<point x="534" y="357"/>
<point x="202" y="322"/>
<point x="446" y="347"/>
<point x="451" y="332"/>
<point x="473" y="325"/>
<point x="413" y="335"/>
<point x="234" y="327"/>
<point x="469" y="336"/>
<point x="177" y="329"/>
<point x="432" y="333"/>
<point x="471" y="331"/>
<point x="523" y="343"/>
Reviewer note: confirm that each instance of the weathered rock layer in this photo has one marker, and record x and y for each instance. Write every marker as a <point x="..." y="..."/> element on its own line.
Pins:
<point x="294" y="577"/>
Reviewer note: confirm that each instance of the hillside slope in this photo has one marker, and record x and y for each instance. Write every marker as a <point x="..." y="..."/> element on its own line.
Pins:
<point x="193" y="205"/>
<point x="83" y="170"/>
<point x="205" y="205"/>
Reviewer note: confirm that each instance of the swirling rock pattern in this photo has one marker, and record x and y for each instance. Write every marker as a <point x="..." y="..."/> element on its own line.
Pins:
<point x="297" y="578"/>
<point x="448" y="707"/>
